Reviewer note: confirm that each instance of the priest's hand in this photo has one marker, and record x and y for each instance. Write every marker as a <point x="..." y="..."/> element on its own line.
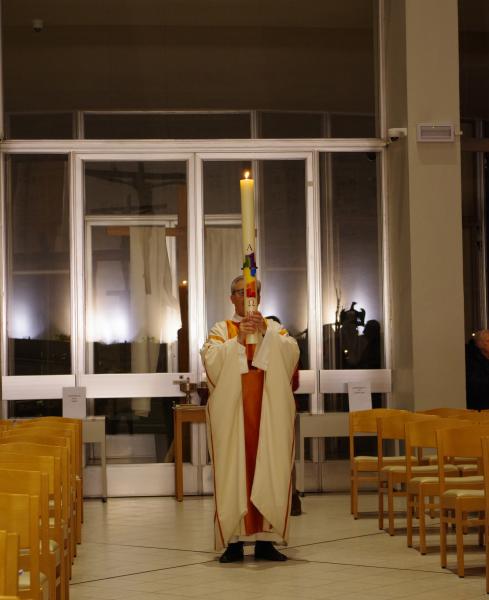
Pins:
<point x="260" y="323"/>
<point x="252" y="323"/>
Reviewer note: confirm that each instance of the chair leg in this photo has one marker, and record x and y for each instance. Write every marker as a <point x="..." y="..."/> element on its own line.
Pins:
<point x="486" y="527"/>
<point x="422" y="523"/>
<point x="381" y="505"/>
<point x="354" y="496"/>
<point x="63" y="576"/>
<point x="79" y="512"/>
<point x="443" y="538"/>
<point x="410" y="504"/>
<point x="390" y="504"/>
<point x="459" y="533"/>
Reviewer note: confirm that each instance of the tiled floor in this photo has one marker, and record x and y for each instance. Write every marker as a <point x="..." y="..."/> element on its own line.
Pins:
<point x="156" y="548"/>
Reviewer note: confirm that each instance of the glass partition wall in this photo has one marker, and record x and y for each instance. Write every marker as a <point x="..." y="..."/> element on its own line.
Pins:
<point x="121" y="228"/>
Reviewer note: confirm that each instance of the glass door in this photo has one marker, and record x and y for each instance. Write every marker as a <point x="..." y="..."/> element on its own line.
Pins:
<point x="136" y="326"/>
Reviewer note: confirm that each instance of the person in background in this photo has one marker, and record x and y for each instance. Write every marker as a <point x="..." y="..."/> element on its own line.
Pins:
<point x="477" y="370"/>
<point x="250" y="421"/>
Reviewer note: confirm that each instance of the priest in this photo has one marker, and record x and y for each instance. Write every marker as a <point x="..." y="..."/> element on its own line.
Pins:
<point x="250" y="423"/>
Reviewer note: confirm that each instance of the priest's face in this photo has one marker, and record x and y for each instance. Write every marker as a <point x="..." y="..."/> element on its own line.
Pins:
<point x="237" y="297"/>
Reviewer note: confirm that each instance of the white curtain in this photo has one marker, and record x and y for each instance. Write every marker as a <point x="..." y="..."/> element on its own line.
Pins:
<point x="223" y="262"/>
<point x="155" y="312"/>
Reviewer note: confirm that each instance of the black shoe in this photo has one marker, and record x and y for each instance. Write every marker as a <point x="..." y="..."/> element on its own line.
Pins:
<point x="295" y="505"/>
<point x="266" y="551"/>
<point x="233" y="553"/>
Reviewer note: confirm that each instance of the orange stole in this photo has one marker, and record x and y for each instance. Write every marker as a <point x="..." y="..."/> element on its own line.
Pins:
<point x="252" y="385"/>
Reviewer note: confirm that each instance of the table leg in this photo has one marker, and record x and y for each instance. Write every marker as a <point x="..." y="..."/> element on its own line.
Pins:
<point x="103" y="464"/>
<point x="177" y="432"/>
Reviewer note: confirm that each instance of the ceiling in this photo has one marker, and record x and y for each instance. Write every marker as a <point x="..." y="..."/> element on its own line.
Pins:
<point x="217" y="13"/>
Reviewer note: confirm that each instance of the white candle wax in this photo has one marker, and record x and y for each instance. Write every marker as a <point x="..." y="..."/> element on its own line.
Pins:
<point x="248" y="215"/>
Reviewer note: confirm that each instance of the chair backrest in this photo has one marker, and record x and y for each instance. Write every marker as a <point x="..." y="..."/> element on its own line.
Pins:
<point x="393" y="427"/>
<point x="447" y="412"/>
<point x="422" y="435"/>
<point x="19" y="513"/>
<point x="365" y="421"/>
<point x="5" y="424"/>
<point x="60" y="427"/>
<point x="9" y="563"/>
<point x="33" y="483"/>
<point x="460" y="441"/>
<point x="41" y="436"/>
<point x="47" y="464"/>
<point x="28" y="448"/>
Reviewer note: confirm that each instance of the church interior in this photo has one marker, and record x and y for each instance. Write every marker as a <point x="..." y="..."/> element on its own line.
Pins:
<point x="129" y="132"/>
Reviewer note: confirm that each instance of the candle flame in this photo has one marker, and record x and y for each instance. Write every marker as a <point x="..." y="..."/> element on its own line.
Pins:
<point x="247" y="174"/>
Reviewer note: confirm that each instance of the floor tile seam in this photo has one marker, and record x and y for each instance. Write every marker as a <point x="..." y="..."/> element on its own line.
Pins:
<point x="362" y="566"/>
<point x="204" y="562"/>
<point x="342" y="539"/>
<point x="150" y="547"/>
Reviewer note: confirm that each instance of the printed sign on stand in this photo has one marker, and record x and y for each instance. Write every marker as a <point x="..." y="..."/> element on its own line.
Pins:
<point x="359" y="396"/>
<point x="75" y="402"/>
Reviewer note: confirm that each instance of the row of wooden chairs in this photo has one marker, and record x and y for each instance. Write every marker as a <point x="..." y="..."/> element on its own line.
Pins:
<point x="48" y="451"/>
<point x="450" y="483"/>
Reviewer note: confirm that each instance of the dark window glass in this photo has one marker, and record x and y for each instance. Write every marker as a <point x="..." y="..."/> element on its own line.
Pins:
<point x="291" y="125"/>
<point x="135" y="188"/>
<point x="352" y="126"/>
<point x="38" y="301"/>
<point x="47" y="126"/>
<point x="351" y="265"/>
<point x="28" y="409"/>
<point x="474" y="59"/>
<point x="170" y="126"/>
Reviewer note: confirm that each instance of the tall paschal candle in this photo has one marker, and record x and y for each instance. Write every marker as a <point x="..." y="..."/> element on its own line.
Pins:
<point x="247" y="187"/>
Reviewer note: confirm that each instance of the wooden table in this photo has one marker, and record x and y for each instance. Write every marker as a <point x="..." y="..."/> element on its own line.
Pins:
<point x="183" y="413"/>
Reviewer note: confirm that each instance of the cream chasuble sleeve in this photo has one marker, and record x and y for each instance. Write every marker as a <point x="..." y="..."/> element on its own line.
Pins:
<point x="225" y="361"/>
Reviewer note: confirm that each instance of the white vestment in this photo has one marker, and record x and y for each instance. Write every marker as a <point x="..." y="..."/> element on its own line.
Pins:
<point x="225" y="361"/>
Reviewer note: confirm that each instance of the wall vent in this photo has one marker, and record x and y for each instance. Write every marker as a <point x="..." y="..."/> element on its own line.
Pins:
<point x="439" y="132"/>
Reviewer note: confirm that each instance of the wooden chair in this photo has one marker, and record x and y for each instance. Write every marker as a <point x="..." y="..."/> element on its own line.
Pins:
<point x="422" y="489"/>
<point x="60" y="523"/>
<point x="49" y="465"/>
<point x="364" y="469"/>
<point x="392" y="427"/>
<point x="9" y="564"/>
<point x="47" y="438"/>
<point x="456" y="505"/>
<point x="72" y="431"/>
<point x="19" y="513"/>
<point x="78" y="424"/>
<point x="35" y="483"/>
